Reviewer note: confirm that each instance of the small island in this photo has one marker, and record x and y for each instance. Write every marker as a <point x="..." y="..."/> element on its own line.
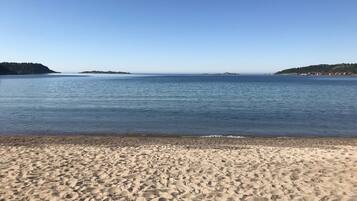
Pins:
<point x="222" y="74"/>
<point x="104" y="72"/>
<point x="12" y="68"/>
<point x="229" y="73"/>
<point x="322" y="69"/>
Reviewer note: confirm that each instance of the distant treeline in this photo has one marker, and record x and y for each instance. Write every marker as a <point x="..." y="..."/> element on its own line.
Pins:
<point x="323" y="69"/>
<point x="7" y="68"/>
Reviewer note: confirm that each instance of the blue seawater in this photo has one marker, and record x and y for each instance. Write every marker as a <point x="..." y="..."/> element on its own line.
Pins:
<point x="253" y="105"/>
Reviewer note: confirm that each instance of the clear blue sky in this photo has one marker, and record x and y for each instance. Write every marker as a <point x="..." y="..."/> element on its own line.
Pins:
<point x="251" y="36"/>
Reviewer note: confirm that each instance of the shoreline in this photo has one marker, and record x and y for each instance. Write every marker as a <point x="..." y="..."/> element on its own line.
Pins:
<point x="176" y="135"/>
<point x="199" y="141"/>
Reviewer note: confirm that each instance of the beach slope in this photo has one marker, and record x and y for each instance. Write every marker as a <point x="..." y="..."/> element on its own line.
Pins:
<point x="169" y="168"/>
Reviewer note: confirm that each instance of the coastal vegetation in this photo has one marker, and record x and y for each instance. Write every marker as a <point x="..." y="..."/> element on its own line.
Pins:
<point x="323" y="69"/>
<point x="7" y="68"/>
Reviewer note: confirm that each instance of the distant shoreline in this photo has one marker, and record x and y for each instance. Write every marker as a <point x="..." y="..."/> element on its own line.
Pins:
<point x="103" y="72"/>
<point x="342" y="69"/>
<point x="12" y="68"/>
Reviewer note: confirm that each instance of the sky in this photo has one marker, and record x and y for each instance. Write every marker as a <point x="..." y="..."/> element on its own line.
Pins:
<point x="178" y="36"/>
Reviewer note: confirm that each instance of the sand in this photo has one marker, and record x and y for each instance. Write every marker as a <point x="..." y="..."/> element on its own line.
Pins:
<point x="141" y="168"/>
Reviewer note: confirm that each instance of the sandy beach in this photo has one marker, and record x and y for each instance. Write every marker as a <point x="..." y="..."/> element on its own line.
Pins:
<point x="173" y="168"/>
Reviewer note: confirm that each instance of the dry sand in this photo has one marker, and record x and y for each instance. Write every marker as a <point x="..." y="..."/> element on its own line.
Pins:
<point x="141" y="168"/>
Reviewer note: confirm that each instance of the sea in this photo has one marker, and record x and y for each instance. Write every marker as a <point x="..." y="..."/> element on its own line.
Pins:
<point x="173" y="104"/>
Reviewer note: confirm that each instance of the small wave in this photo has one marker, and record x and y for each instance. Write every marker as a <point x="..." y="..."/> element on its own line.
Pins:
<point x="223" y="136"/>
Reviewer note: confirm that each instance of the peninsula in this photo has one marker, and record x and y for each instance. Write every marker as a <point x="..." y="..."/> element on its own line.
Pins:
<point x="323" y="69"/>
<point x="7" y="68"/>
<point x="104" y="72"/>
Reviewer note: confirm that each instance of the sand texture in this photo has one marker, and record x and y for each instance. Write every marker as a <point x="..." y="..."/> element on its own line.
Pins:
<point x="109" y="168"/>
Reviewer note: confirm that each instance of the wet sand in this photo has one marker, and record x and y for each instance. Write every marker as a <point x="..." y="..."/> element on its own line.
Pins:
<point x="174" y="168"/>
